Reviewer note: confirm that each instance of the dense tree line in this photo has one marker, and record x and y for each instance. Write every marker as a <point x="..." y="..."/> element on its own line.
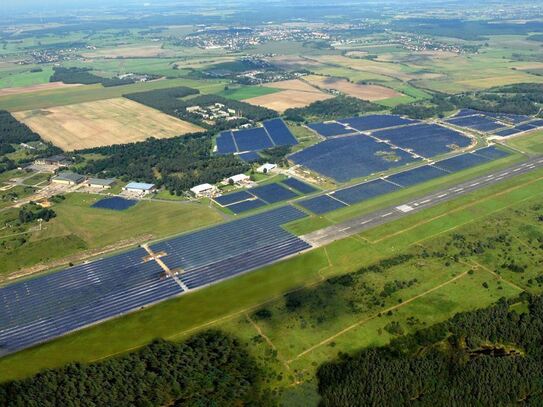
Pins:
<point x="31" y="212"/>
<point x="14" y="132"/>
<point x="489" y="357"/>
<point x="169" y="101"/>
<point x="165" y="100"/>
<point x="84" y="76"/>
<point x="178" y="163"/>
<point x="209" y="369"/>
<point x="517" y="99"/>
<point x="338" y="107"/>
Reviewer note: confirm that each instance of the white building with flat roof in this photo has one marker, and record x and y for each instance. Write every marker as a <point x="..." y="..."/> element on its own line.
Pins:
<point x="237" y="179"/>
<point x="139" y="188"/>
<point x="204" y="190"/>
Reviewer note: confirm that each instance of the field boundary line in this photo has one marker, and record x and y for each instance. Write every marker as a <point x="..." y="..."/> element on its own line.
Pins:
<point x="363" y="321"/>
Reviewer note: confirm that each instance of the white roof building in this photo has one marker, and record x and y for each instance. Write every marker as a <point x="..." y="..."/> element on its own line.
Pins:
<point x="203" y="190"/>
<point x="139" y="187"/>
<point x="264" y="168"/>
<point x="238" y="179"/>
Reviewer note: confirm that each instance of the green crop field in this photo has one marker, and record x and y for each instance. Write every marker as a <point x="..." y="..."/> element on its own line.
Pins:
<point x="531" y="142"/>
<point x="247" y="92"/>
<point x="324" y="317"/>
<point x="27" y="78"/>
<point x="78" y="227"/>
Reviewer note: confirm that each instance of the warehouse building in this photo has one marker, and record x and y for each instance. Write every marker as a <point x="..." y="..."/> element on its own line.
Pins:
<point x="139" y="188"/>
<point x="68" y="178"/>
<point x="204" y="190"/>
<point x="99" y="183"/>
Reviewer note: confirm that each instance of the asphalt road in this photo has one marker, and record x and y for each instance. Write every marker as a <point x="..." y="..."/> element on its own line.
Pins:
<point x="353" y="226"/>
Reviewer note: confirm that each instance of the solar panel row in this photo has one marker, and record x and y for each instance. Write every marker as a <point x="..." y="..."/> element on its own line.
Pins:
<point x="376" y="121"/>
<point x="361" y="192"/>
<point x="330" y="129"/>
<point x="351" y="157"/>
<point x="246" y="206"/>
<point x="250" y="156"/>
<point x="274" y="133"/>
<point x="299" y="186"/>
<point x="39" y="309"/>
<point x="478" y="122"/>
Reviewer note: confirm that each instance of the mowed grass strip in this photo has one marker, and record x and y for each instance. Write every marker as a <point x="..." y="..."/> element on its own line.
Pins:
<point x="201" y="309"/>
<point x="102" y="123"/>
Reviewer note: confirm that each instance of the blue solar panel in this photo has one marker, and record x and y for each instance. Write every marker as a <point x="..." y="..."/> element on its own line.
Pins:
<point x="362" y="192"/>
<point x="416" y="175"/>
<point x="375" y="121"/>
<point x="273" y="193"/>
<point x="330" y="129"/>
<point x="252" y="139"/>
<point x="42" y="308"/>
<point x="427" y="140"/>
<point x="116" y="203"/>
<point x="225" y="143"/>
<point x="280" y="133"/>
<point x="246" y="206"/>
<point x="507" y="132"/>
<point x="480" y="123"/>
<point x="466" y="112"/>
<point x="321" y="204"/>
<point x="233" y="198"/>
<point x="525" y="127"/>
<point x="299" y="185"/>
<point x="218" y="243"/>
<point x="492" y="152"/>
<point x="350" y="157"/>
<point x="538" y="123"/>
<point x="461" y="162"/>
<point x="250" y="156"/>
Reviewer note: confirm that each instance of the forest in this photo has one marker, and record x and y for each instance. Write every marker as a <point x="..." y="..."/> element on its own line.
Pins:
<point x="336" y="108"/>
<point x="84" y="76"/>
<point x="169" y="101"/>
<point x="488" y="357"/>
<point x="209" y="369"/>
<point x="177" y="163"/>
<point x="14" y="132"/>
<point x="517" y="99"/>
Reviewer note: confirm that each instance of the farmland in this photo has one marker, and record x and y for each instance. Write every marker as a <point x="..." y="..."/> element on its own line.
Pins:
<point x="365" y="92"/>
<point x="102" y="123"/>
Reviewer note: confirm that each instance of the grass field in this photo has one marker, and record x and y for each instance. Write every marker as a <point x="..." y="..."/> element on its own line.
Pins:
<point x="78" y="228"/>
<point x="102" y="123"/>
<point x="27" y="78"/>
<point x="531" y="142"/>
<point x="89" y="93"/>
<point x="293" y="342"/>
<point x="247" y="92"/>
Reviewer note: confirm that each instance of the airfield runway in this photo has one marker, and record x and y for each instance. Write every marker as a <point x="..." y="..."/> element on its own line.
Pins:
<point x="353" y="226"/>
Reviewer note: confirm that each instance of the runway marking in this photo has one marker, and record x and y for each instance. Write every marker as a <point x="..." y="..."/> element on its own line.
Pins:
<point x="344" y="229"/>
<point x="425" y="201"/>
<point x="442" y="195"/>
<point x="366" y="221"/>
<point x="474" y="184"/>
<point x="517" y="169"/>
<point x="386" y="214"/>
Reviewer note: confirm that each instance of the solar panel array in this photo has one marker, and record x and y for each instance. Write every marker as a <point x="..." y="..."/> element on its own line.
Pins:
<point x="45" y="307"/>
<point x="330" y="129"/>
<point x="232" y="248"/>
<point x="299" y="186"/>
<point x="246" y="200"/>
<point x="362" y="192"/>
<point x="273" y="133"/>
<point x="427" y="140"/>
<point x="115" y="203"/>
<point x="251" y="156"/>
<point x="376" y="121"/>
<point x="351" y="157"/>
<point x="500" y="124"/>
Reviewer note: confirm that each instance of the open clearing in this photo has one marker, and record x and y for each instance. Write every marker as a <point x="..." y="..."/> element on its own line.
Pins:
<point x="102" y="123"/>
<point x="294" y="93"/>
<point x="365" y="92"/>
<point x="36" y="88"/>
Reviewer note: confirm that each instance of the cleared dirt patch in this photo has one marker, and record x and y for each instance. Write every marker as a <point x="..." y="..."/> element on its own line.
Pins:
<point x="295" y="93"/>
<point x="36" y="88"/>
<point x="102" y="123"/>
<point x="366" y="92"/>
